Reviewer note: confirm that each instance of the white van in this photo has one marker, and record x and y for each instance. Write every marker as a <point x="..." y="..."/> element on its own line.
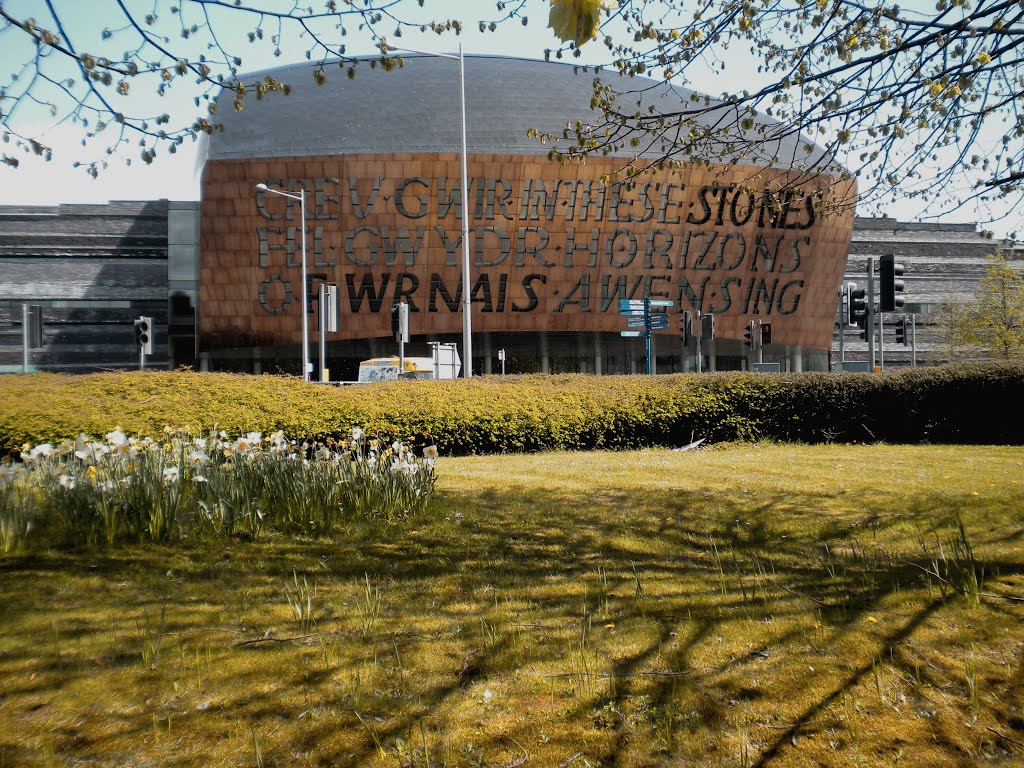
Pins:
<point x="386" y="369"/>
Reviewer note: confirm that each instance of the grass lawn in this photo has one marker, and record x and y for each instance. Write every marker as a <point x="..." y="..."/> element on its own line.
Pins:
<point x="743" y="606"/>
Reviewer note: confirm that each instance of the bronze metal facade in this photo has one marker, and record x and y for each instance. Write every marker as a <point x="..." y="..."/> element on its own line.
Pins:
<point x="553" y="248"/>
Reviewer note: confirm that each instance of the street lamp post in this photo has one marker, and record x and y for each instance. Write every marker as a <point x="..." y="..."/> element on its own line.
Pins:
<point x="467" y="304"/>
<point x="301" y="197"/>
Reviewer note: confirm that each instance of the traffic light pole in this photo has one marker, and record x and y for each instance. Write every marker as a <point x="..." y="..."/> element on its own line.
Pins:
<point x="24" y="339"/>
<point x="699" y="332"/>
<point x="881" y="341"/>
<point x="760" y="344"/>
<point x="320" y="304"/>
<point x="871" y="315"/>
<point x="843" y="314"/>
<point x="647" y="327"/>
<point x="913" y="342"/>
<point x="401" y="340"/>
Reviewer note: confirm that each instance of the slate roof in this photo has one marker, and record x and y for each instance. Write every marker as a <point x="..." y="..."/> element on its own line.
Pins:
<point x="415" y="109"/>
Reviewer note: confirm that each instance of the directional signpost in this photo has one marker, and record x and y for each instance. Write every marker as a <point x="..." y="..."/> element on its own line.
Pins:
<point x="638" y="315"/>
<point x="658" y="322"/>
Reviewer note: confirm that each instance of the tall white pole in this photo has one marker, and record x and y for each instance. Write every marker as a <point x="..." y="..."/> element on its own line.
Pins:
<point x="301" y="197"/>
<point x="467" y="289"/>
<point x="305" y="302"/>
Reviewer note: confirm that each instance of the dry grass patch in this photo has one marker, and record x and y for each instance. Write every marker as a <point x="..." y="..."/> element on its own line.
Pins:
<point x="752" y="605"/>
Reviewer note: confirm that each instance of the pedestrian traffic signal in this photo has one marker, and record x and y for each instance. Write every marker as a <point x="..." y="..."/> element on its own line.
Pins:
<point x="707" y="327"/>
<point x="686" y="329"/>
<point x="889" y="286"/>
<point x="749" y="333"/>
<point x="35" y="326"/>
<point x="901" y="331"/>
<point x="858" y="307"/>
<point x="403" y="322"/>
<point x="766" y="334"/>
<point x="144" y="334"/>
<point x="396" y="321"/>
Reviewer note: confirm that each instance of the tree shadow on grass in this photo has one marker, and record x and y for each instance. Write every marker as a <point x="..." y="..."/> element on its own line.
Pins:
<point x="683" y="571"/>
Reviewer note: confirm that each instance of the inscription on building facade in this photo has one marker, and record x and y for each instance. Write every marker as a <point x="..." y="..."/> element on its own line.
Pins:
<point x="599" y="231"/>
<point x="551" y="247"/>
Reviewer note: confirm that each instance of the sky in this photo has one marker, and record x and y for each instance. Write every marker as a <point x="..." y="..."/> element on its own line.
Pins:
<point x="177" y="177"/>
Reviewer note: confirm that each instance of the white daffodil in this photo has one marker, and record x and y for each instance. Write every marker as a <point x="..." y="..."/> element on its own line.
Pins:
<point x="356" y="433"/>
<point x="200" y="443"/>
<point x="117" y="437"/>
<point x="67" y="481"/>
<point x="430" y="452"/>
<point x="170" y="474"/>
<point x="278" y="442"/>
<point x="92" y="452"/>
<point x="198" y="458"/>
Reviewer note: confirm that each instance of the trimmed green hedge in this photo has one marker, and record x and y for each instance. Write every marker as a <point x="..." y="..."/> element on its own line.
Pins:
<point x="961" y="404"/>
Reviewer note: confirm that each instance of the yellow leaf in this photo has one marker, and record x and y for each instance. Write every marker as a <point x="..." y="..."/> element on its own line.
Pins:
<point x="575" y="20"/>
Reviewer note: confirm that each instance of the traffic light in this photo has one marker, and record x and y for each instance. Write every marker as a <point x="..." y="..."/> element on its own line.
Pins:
<point x="35" y="326"/>
<point x="901" y="331"/>
<point x="858" y="307"/>
<point x="400" y="321"/>
<point x="749" y="333"/>
<point x="686" y="329"/>
<point x="403" y="322"/>
<point x="707" y="327"/>
<point x="396" y="321"/>
<point x="329" y="306"/>
<point x="889" y="286"/>
<point x="766" y="334"/>
<point x="144" y="334"/>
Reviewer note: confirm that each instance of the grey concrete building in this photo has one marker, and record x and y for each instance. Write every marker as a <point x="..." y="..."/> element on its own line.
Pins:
<point x="92" y="269"/>
<point x="943" y="262"/>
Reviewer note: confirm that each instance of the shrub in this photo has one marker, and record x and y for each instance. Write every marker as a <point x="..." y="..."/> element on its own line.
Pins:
<point x="967" y="404"/>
